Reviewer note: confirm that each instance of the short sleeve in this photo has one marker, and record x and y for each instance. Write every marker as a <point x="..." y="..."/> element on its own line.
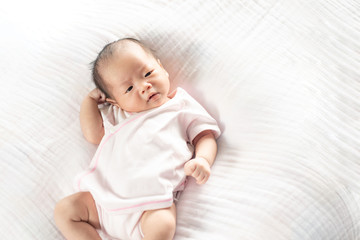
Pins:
<point x="111" y="116"/>
<point x="197" y="119"/>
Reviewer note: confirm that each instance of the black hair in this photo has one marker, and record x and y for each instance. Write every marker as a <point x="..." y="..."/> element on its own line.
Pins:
<point x="106" y="53"/>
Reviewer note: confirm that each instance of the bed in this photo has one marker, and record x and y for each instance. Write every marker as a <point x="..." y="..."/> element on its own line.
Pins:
<point x="282" y="78"/>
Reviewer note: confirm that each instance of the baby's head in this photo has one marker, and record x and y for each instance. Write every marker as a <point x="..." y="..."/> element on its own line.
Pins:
<point x="130" y="75"/>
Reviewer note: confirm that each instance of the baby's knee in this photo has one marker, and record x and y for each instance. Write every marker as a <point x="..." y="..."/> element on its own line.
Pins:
<point x="68" y="208"/>
<point x="168" y="223"/>
<point x="165" y="228"/>
<point x="159" y="224"/>
<point x="63" y="209"/>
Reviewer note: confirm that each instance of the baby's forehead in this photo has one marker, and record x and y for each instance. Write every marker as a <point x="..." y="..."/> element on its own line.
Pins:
<point x="128" y="45"/>
<point x="127" y="56"/>
<point x="126" y="61"/>
<point x="124" y="46"/>
<point x="132" y="53"/>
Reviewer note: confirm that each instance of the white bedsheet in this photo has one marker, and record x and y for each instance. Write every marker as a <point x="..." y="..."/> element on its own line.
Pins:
<point x="281" y="77"/>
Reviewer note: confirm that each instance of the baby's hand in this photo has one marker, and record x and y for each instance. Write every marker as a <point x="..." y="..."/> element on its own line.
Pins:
<point x="198" y="168"/>
<point x="97" y="95"/>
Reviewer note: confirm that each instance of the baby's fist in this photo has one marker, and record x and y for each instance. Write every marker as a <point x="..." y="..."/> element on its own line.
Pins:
<point x="97" y="95"/>
<point x="199" y="169"/>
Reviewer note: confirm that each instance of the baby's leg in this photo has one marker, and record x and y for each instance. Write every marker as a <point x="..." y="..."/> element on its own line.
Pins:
<point x="76" y="217"/>
<point x="159" y="224"/>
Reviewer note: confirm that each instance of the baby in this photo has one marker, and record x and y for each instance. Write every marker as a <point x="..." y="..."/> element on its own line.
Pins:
<point x="149" y="141"/>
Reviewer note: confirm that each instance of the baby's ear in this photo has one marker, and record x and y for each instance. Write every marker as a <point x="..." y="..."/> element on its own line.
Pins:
<point x="112" y="102"/>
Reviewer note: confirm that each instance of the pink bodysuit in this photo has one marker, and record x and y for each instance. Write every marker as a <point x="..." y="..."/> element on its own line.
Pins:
<point x="139" y="163"/>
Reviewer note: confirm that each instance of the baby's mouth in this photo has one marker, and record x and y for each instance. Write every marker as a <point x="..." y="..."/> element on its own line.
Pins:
<point x="151" y="96"/>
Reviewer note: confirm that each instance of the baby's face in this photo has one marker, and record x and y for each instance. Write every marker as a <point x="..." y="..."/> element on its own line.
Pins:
<point x="135" y="80"/>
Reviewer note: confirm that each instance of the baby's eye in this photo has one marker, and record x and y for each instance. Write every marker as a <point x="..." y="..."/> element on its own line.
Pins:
<point x="129" y="89"/>
<point x="148" y="74"/>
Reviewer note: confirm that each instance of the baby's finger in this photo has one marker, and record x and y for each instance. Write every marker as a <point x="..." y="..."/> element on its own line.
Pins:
<point x="204" y="180"/>
<point x="101" y="99"/>
<point x="200" y="178"/>
<point x="196" y="173"/>
<point x="200" y="181"/>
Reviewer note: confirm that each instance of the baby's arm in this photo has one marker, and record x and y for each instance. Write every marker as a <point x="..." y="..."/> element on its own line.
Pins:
<point x="205" y="153"/>
<point x="90" y="117"/>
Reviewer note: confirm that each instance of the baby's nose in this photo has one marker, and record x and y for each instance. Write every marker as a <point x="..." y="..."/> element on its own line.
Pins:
<point x="145" y="87"/>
